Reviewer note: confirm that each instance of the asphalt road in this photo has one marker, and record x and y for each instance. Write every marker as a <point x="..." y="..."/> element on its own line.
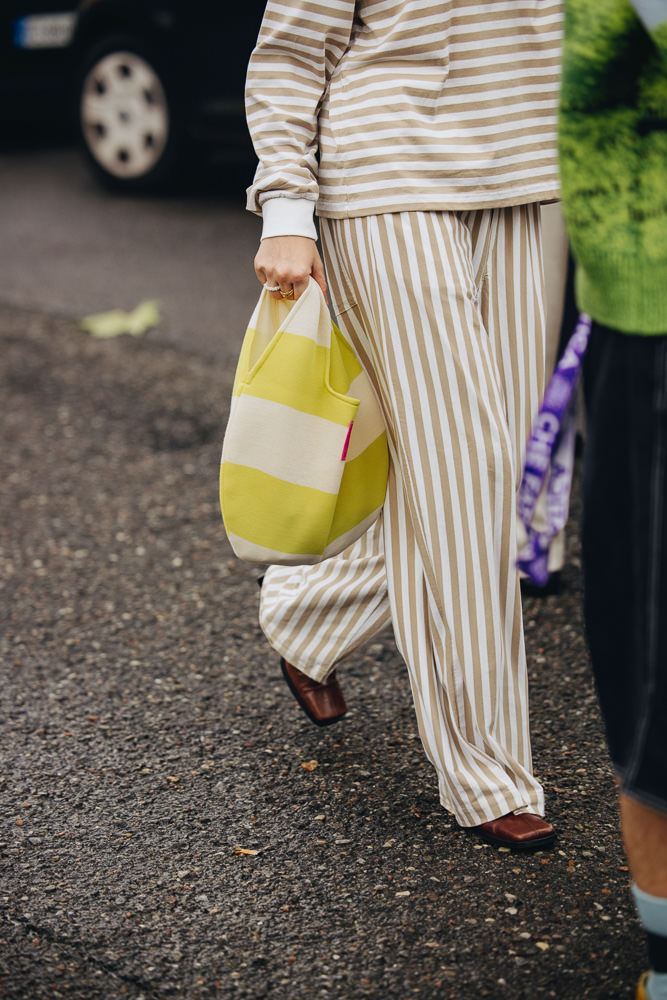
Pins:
<point x="71" y="249"/>
<point x="172" y="825"/>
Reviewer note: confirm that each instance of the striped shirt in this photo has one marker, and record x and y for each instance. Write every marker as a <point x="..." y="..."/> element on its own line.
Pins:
<point x="397" y="105"/>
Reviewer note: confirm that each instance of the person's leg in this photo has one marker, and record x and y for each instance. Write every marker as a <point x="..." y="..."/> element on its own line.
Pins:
<point x="413" y="286"/>
<point x="315" y="616"/>
<point x="554" y="241"/>
<point x="645" y="839"/>
<point x="625" y="573"/>
<point x="555" y="275"/>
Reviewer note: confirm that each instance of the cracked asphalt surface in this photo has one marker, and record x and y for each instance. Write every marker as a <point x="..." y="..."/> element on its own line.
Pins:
<point x="172" y="825"/>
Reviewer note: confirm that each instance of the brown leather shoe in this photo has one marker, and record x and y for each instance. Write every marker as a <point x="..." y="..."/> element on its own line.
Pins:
<point x="323" y="703"/>
<point x="522" y="832"/>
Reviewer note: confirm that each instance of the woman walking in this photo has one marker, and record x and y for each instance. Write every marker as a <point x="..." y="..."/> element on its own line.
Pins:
<point x="422" y="132"/>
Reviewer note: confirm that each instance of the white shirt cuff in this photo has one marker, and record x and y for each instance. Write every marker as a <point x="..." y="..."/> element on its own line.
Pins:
<point x="288" y="217"/>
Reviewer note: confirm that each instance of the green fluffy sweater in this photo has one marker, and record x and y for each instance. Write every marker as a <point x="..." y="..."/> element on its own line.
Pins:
<point x="613" y="156"/>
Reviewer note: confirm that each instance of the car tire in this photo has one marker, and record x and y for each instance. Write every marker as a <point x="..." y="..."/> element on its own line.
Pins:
<point x="128" y="121"/>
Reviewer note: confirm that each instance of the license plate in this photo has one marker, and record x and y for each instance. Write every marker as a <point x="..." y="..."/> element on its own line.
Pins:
<point x="44" y="31"/>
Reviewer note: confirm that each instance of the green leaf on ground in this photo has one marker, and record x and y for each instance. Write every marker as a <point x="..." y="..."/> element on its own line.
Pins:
<point x="117" y="322"/>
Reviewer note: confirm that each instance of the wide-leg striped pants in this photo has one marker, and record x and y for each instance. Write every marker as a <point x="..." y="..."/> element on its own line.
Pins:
<point x="446" y="311"/>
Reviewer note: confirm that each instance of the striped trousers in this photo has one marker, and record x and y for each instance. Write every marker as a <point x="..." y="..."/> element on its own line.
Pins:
<point x="446" y="311"/>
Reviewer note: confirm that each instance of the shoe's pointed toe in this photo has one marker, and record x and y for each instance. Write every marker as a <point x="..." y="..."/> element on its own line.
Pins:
<point x="519" y="832"/>
<point x="323" y="702"/>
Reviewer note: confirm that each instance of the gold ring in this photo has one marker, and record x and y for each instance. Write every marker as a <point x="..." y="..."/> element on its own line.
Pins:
<point x="287" y="295"/>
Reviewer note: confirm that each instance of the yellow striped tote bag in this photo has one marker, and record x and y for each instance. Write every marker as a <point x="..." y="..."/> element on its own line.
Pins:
<point x="304" y="457"/>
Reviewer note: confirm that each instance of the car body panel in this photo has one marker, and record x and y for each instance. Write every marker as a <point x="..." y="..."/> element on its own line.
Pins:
<point x="202" y="48"/>
<point x="34" y="76"/>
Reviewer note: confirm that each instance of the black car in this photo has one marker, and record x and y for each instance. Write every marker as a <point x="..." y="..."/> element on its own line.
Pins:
<point x="148" y="82"/>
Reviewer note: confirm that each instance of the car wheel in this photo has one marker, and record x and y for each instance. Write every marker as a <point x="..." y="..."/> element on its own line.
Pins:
<point x="127" y="121"/>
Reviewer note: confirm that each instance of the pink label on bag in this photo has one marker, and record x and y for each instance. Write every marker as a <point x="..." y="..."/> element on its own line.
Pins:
<point x="347" y="441"/>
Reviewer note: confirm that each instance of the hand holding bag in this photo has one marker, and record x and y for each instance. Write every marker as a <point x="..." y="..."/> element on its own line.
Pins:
<point x="304" y="458"/>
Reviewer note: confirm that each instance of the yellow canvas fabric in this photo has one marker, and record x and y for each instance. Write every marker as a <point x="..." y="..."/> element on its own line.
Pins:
<point x="304" y="458"/>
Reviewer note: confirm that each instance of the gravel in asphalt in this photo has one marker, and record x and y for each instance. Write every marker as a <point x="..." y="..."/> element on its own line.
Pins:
<point x="172" y="825"/>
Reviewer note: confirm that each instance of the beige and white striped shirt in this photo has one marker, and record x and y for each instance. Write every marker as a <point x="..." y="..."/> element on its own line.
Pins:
<point x="406" y="104"/>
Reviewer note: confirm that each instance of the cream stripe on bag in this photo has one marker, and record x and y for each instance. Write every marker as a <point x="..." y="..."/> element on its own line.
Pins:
<point x="304" y="459"/>
<point x="445" y="309"/>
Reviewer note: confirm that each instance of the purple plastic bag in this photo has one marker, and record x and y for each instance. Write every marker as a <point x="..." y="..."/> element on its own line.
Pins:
<point x="550" y="457"/>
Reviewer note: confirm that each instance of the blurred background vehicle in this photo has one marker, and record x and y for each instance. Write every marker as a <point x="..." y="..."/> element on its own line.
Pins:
<point x="148" y="85"/>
